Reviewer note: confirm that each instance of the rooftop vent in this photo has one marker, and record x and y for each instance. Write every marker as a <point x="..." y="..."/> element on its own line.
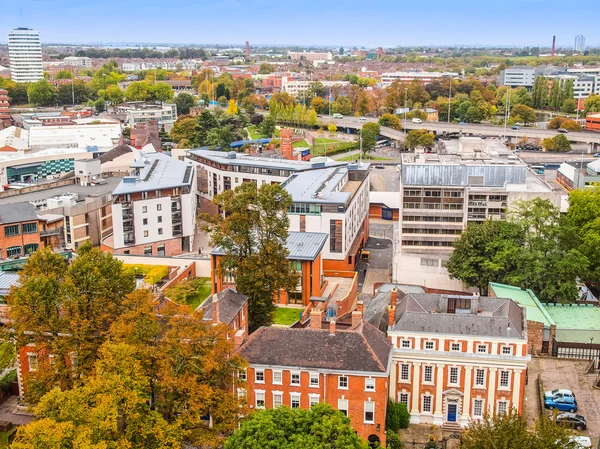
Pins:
<point x="231" y="155"/>
<point x="129" y="179"/>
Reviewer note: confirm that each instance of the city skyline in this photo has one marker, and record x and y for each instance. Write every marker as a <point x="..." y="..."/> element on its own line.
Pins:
<point x="384" y="24"/>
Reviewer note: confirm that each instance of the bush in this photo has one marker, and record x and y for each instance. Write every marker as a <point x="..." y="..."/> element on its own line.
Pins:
<point x="391" y="121"/>
<point x="152" y="273"/>
<point x="557" y="143"/>
<point x="185" y="290"/>
<point x="7" y="380"/>
<point x="397" y="417"/>
<point x="394" y="441"/>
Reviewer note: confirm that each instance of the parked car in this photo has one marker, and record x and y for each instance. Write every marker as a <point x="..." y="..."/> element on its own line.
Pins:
<point x="581" y="442"/>
<point x="362" y="119"/>
<point x="516" y="128"/>
<point x="417" y="120"/>
<point x="559" y="392"/>
<point x="461" y="123"/>
<point x="597" y="155"/>
<point x="562" y="404"/>
<point x="562" y="130"/>
<point x="336" y="115"/>
<point x="571" y="420"/>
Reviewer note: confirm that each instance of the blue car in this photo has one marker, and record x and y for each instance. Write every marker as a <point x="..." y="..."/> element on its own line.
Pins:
<point x="564" y="404"/>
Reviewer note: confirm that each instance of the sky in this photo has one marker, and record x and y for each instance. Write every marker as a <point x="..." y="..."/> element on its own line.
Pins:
<point x="365" y="23"/>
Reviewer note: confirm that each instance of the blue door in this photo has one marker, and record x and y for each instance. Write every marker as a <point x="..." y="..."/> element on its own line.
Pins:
<point x="451" y="412"/>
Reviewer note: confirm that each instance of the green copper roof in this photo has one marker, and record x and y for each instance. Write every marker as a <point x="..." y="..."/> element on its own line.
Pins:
<point x="574" y="316"/>
<point x="526" y="299"/>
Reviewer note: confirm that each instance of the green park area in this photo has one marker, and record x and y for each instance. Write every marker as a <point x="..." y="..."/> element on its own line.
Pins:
<point x="286" y="316"/>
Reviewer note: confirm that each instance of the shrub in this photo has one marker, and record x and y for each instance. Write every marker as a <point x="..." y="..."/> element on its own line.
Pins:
<point x="152" y="273"/>
<point x="394" y="441"/>
<point x="185" y="290"/>
<point x="397" y="417"/>
<point x="7" y="380"/>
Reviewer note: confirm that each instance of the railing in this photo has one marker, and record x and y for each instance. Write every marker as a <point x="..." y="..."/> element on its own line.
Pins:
<point x="52" y="231"/>
<point x="476" y="217"/>
<point x="477" y="203"/>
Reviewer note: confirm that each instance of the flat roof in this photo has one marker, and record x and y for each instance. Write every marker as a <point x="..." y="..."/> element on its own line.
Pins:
<point x="320" y="186"/>
<point x="526" y="299"/>
<point x="574" y="316"/>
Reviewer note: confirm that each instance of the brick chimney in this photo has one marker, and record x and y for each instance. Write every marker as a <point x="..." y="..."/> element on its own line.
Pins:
<point x="357" y="318"/>
<point x="316" y="317"/>
<point x="332" y="327"/>
<point x="215" y="309"/>
<point x="238" y="339"/>
<point x="391" y="316"/>
<point x="286" y="136"/>
<point x="394" y="297"/>
<point x="359" y="307"/>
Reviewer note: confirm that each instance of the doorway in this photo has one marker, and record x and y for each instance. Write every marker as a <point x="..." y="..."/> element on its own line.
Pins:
<point x="452" y="409"/>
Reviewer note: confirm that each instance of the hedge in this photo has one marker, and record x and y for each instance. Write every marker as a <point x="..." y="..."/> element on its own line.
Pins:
<point x="152" y="273"/>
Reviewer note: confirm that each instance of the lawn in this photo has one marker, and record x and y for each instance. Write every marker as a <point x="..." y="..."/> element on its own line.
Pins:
<point x="254" y="134"/>
<point x="321" y="140"/>
<point x="286" y="316"/>
<point x="322" y="144"/>
<point x="201" y="294"/>
<point x="190" y="291"/>
<point x="300" y="143"/>
<point x="6" y="436"/>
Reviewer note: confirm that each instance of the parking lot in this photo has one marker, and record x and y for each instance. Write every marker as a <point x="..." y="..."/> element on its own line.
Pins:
<point x="569" y="374"/>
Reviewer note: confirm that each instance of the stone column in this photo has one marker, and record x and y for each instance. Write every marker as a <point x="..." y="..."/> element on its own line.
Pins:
<point x="416" y="397"/>
<point x="393" y="381"/>
<point x="516" y="396"/>
<point x="465" y="417"/>
<point x="438" y="416"/>
<point x="491" y="403"/>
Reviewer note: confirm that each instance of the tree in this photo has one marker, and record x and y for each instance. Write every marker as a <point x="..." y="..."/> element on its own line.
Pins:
<point x="232" y="108"/>
<point x="522" y="113"/>
<point x="138" y="91"/>
<point x="162" y="92"/>
<point x="510" y="431"/>
<point x="267" y="126"/>
<point x="320" y="427"/>
<point x="555" y="100"/>
<point x="362" y="103"/>
<point x="342" y="105"/>
<point x="256" y="119"/>
<point x="67" y="311"/>
<point x="332" y="128"/>
<point x="419" y="138"/>
<point x="184" y="102"/>
<point x="568" y="106"/>
<point x="183" y="131"/>
<point x="41" y="93"/>
<point x="66" y="92"/>
<point x="393" y="441"/>
<point x="563" y="122"/>
<point x="557" y="143"/>
<point x="318" y="104"/>
<point x="522" y="97"/>
<point x="100" y="105"/>
<point x="397" y="417"/>
<point x="252" y="232"/>
<point x="370" y="131"/>
<point x="391" y="121"/>
<point x="266" y="68"/>
<point x="115" y="94"/>
<point x="63" y="75"/>
<point x="592" y="104"/>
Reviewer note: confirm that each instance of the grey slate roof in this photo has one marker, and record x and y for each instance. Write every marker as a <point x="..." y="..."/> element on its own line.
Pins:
<point x="7" y="280"/>
<point x="301" y="245"/>
<point x="364" y="349"/>
<point x="17" y="213"/>
<point x="230" y="303"/>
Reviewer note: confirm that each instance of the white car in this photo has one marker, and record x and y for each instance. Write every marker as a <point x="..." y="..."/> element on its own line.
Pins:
<point x="362" y="119"/>
<point x="417" y="120"/>
<point x="559" y="392"/>
<point x="581" y="442"/>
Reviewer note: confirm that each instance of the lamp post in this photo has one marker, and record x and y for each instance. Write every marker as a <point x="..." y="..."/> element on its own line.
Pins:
<point x="449" y="98"/>
<point x="405" y="103"/>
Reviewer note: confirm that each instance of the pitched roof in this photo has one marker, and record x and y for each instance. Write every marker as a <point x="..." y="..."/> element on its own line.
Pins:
<point x="365" y="349"/>
<point x="525" y="299"/>
<point x="17" y="213"/>
<point x="229" y="305"/>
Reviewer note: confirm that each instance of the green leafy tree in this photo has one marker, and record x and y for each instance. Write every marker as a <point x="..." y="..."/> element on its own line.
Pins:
<point x="540" y="92"/>
<point x="100" y="105"/>
<point x="320" y="427"/>
<point x="393" y="441"/>
<point x="522" y="97"/>
<point x="63" y="75"/>
<point x="138" y="91"/>
<point x="557" y="143"/>
<point x="522" y="113"/>
<point x="184" y="102"/>
<point x="362" y="103"/>
<point x="592" y="104"/>
<point x="555" y="99"/>
<point x="252" y="232"/>
<point x="569" y="105"/>
<point x="267" y="126"/>
<point x="183" y="131"/>
<point x="391" y="121"/>
<point x="41" y="93"/>
<point x="114" y="94"/>
<point x="419" y="138"/>
<point x="397" y="417"/>
<point x="370" y="131"/>
<point x="162" y="92"/>
<point x="266" y="68"/>
<point x="342" y="105"/>
<point x="65" y="93"/>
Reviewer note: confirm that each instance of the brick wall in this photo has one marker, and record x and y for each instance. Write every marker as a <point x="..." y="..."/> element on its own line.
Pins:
<point x="172" y="248"/>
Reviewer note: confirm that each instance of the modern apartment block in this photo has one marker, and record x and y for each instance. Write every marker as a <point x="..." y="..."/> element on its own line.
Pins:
<point x="295" y="87"/>
<point x="78" y="61"/>
<point x="579" y="44"/>
<point x="466" y="180"/>
<point x="25" y="53"/>
<point x="425" y="77"/>
<point x="518" y="77"/>
<point x="141" y="112"/>
<point x="455" y="359"/>
<point x="154" y="209"/>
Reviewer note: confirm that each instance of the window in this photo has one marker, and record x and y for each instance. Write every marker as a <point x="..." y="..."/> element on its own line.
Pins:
<point x="31" y="248"/>
<point x="428" y="373"/>
<point x="455" y="347"/>
<point x="504" y="379"/>
<point x="11" y="230"/>
<point x="145" y="233"/>
<point x="480" y="378"/>
<point x="502" y="407"/>
<point x="29" y="228"/>
<point x="343" y="382"/>
<point x="161" y="250"/>
<point x="295" y="400"/>
<point x="159" y="207"/>
<point x="313" y="399"/>
<point x="453" y="375"/>
<point x="160" y="218"/>
<point x="277" y="377"/>
<point x="260" y="399"/>
<point x="343" y="406"/>
<point x="369" y="411"/>
<point x="295" y="379"/>
<point x="145" y="221"/>
<point x="13" y="251"/>
<point x="160" y="231"/>
<point x="277" y="399"/>
<point x="403" y="398"/>
<point x="370" y="384"/>
<point x="507" y="350"/>
<point x="429" y="345"/>
<point x="482" y="349"/>
<point x="427" y="404"/>
<point x="314" y="379"/>
<point x="259" y="376"/>
<point x="404" y="372"/>
<point x="428" y="262"/>
<point x="144" y="209"/>
<point x="32" y="360"/>
<point x="242" y="375"/>
<point x="405" y="344"/>
<point x="478" y="407"/>
<point x="241" y="392"/>
<point x="148" y="251"/>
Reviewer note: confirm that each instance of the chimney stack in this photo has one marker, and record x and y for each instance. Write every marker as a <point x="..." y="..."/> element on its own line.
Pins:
<point x="316" y="317"/>
<point x="553" y="44"/>
<point x="215" y="309"/>
<point x="332" y="327"/>
<point x="391" y="316"/>
<point x="394" y="298"/>
<point x="359" y="307"/>
<point x="238" y="339"/>
<point x="357" y="317"/>
<point x="247" y="50"/>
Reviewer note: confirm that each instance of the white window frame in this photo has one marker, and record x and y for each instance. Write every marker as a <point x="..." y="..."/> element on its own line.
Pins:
<point x="347" y="381"/>
<point x="343" y="406"/>
<point x="507" y="373"/>
<point x="485" y="349"/>
<point x="407" y="378"/>
<point x="459" y="346"/>
<point x="506" y="404"/>
<point x="425" y="369"/>
<point x="369" y="406"/>
<point x="450" y="369"/>
<point x="243" y="375"/>
<point x="33" y="356"/>
<point x="314" y="376"/>
<point x="475" y="401"/>
<point x="293" y="396"/>
<point x="477" y="384"/>
<point x="405" y="344"/>
<point x="430" y="403"/>
<point x="429" y="343"/>
<point x="505" y="352"/>
<point x="279" y="374"/>
<point x="241" y="393"/>
<point x="256" y="379"/>
<point x="256" y="399"/>
<point x="277" y="394"/>
<point x="369" y="384"/>
<point x="313" y="399"/>
<point x="292" y="374"/>
<point x="405" y="393"/>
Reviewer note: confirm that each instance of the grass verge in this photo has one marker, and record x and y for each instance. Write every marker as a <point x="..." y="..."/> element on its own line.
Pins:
<point x="286" y="316"/>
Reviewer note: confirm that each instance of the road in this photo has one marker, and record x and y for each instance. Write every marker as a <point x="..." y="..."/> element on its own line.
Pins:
<point x="483" y="130"/>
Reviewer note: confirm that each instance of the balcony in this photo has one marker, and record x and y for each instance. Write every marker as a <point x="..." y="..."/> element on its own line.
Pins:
<point x="476" y="217"/>
<point x="477" y="203"/>
<point x="127" y="228"/>
<point x="177" y="230"/>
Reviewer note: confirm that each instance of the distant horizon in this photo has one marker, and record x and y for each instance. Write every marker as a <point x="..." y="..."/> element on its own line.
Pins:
<point x="383" y="23"/>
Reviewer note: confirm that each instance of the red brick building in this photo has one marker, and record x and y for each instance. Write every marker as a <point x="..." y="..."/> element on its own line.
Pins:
<point x="4" y="109"/>
<point x="20" y="230"/>
<point x="230" y="308"/>
<point x="346" y="368"/>
<point x="592" y="122"/>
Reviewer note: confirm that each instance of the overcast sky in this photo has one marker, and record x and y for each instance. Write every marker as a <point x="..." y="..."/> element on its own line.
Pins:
<point x="307" y="22"/>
